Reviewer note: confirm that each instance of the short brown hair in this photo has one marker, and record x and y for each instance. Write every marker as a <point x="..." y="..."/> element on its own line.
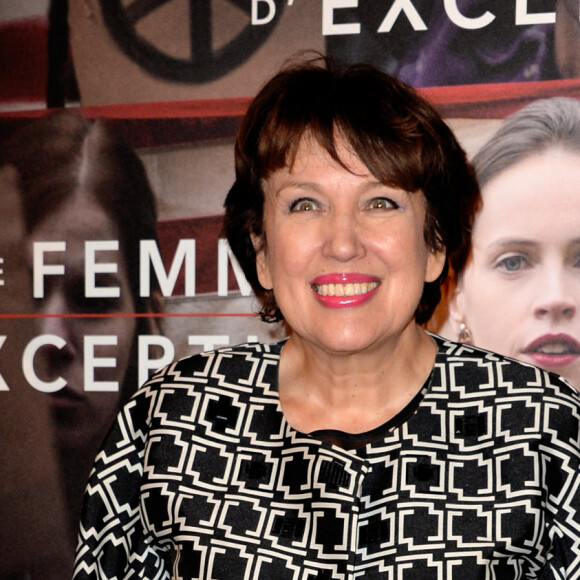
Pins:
<point x="396" y="133"/>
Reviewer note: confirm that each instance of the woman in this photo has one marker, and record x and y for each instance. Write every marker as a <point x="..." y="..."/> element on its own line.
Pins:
<point x="81" y="182"/>
<point x="519" y="292"/>
<point x="360" y="446"/>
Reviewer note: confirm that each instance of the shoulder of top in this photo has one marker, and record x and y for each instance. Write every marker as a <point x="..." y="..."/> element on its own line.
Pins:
<point x="200" y="361"/>
<point x="458" y="352"/>
<point x="197" y="369"/>
<point x="245" y="349"/>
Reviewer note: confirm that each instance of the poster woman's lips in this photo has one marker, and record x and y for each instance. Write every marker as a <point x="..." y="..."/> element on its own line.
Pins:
<point x="344" y="289"/>
<point x="553" y="350"/>
<point x="66" y="398"/>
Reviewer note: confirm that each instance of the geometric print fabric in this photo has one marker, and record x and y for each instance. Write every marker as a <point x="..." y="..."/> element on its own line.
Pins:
<point x="202" y="477"/>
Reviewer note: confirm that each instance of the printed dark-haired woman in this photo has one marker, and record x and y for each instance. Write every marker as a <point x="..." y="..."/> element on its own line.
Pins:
<point x="80" y="182"/>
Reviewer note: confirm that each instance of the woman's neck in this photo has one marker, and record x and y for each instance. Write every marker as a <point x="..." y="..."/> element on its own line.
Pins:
<point x="353" y="392"/>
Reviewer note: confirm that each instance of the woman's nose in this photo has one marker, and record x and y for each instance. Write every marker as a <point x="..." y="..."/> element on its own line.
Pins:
<point x="54" y="320"/>
<point x="343" y="240"/>
<point x="55" y="360"/>
<point x="556" y="296"/>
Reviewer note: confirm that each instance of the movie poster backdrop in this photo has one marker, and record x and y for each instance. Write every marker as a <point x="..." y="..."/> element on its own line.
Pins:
<point x="174" y="78"/>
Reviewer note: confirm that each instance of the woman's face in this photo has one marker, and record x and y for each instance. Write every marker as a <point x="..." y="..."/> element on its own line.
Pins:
<point x="83" y="416"/>
<point x="345" y="254"/>
<point x="519" y="294"/>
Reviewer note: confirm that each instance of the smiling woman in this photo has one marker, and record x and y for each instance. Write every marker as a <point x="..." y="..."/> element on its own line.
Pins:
<point x="328" y="225"/>
<point x="361" y="446"/>
<point x="519" y="293"/>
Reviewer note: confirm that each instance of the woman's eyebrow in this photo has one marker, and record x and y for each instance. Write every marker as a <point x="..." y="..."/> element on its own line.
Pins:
<point x="508" y="242"/>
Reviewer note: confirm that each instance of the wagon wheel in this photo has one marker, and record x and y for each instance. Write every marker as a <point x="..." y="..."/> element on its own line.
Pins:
<point x="205" y="62"/>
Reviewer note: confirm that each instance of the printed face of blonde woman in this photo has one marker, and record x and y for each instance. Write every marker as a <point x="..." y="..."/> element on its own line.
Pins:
<point x="82" y="416"/>
<point x="345" y="254"/>
<point x="520" y="293"/>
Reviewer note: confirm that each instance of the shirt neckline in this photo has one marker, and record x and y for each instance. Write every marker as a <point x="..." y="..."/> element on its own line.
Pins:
<point x="350" y="441"/>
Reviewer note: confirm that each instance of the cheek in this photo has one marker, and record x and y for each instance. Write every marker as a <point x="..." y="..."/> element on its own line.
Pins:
<point x="478" y="297"/>
<point x="289" y="255"/>
<point x="124" y="329"/>
<point x="491" y="311"/>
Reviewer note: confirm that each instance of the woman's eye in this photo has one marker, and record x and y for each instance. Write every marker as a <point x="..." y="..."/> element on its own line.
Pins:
<point x="99" y="305"/>
<point x="80" y="304"/>
<point x="303" y="205"/>
<point x="513" y="263"/>
<point x="382" y="203"/>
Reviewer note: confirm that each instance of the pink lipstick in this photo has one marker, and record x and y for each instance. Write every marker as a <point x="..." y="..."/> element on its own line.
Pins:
<point x="344" y="289"/>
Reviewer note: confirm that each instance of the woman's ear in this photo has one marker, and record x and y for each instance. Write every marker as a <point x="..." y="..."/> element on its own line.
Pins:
<point x="262" y="266"/>
<point x="456" y="306"/>
<point x="435" y="264"/>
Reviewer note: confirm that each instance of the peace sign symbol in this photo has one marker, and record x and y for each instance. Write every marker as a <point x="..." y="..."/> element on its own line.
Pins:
<point x="206" y="63"/>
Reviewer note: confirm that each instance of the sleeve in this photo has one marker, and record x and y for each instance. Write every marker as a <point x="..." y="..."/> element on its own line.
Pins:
<point x="113" y="542"/>
<point x="562" y="480"/>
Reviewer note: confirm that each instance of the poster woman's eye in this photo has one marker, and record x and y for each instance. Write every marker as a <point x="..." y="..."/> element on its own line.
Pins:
<point x="78" y="301"/>
<point x="513" y="263"/>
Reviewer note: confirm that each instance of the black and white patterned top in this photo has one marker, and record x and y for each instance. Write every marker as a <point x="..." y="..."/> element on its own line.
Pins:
<point x="202" y="477"/>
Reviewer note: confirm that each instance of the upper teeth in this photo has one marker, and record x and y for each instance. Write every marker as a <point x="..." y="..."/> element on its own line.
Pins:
<point x="350" y="289"/>
<point x="554" y="348"/>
